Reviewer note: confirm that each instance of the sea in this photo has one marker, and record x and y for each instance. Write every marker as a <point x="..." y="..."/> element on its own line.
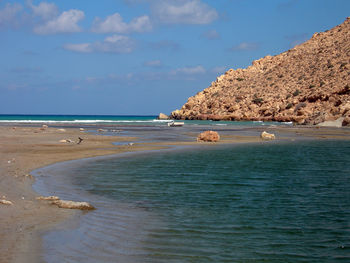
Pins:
<point x="278" y="201"/>
<point x="109" y="119"/>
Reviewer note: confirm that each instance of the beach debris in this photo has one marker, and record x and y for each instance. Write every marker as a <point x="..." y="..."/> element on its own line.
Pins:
<point x="80" y="140"/>
<point x="163" y="116"/>
<point x="73" y="205"/>
<point x="44" y="127"/>
<point x="102" y="130"/>
<point x="130" y="144"/>
<point x="81" y="129"/>
<point x="48" y="198"/>
<point x="5" y="202"/>
<point x="267" y="136"/>
<point x="62" y="130"/>
<point x="11" y="161"/>
<point x="208" y="136"/>
<point x="66" y="141"/>
<point x="29" y="176"/>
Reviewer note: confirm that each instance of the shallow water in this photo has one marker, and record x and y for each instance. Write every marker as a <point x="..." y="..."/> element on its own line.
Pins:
<point x="269" y="202"/>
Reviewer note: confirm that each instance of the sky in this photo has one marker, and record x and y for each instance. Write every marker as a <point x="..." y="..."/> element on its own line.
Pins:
<point x="140" y="57"/>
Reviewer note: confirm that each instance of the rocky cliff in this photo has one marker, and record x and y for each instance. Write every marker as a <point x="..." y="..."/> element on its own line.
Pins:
<point x="308" y="84"/>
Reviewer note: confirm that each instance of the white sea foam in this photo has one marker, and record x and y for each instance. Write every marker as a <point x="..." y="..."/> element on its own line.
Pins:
<point x="85" y="121"/>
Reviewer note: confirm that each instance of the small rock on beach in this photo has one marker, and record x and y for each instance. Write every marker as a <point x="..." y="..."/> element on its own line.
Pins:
<point x="73" y="205"/>
<point x="267" y="136"/>
<point x="48" y="198"/>
<point x="5" y="202"/>
<point x="208" y="136"/>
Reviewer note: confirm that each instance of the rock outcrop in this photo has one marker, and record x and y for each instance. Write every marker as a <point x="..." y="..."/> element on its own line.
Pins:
<point x="208" y="136"/>
<point x="308" y="84"/>
<point x="163" y="116"/>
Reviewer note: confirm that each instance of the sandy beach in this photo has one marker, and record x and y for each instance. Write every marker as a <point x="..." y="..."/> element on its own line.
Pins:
<point x="23" y="149"/>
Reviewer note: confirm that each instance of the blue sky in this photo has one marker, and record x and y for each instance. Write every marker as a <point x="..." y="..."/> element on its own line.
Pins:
<point x="140" y="56"/>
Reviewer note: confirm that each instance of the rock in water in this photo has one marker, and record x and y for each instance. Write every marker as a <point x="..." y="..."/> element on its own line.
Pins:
<point x="267" y="136"/>
<point x="163" y="116"/>
<point x="208" y="136"/>
<point x="73" y="205"/>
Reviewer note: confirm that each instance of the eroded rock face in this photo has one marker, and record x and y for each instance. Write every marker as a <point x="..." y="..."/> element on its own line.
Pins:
<point x="208" y="136"/>
<point x="308" y="84"/>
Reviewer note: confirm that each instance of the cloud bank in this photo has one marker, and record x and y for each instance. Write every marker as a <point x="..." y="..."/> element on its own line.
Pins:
<point x="111" y="44"/>
<point x="115" y="24"/>
<point x="67" y="22"/>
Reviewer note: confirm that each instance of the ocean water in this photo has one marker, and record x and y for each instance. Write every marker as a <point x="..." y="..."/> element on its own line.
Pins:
<point x="268" y="202"/>
<point x="114" y="120"/>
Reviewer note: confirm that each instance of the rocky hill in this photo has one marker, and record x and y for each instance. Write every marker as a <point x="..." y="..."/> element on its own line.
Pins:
<point x="308" y="84"/>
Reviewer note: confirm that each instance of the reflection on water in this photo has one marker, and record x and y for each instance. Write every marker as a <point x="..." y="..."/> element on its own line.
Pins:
<point x="250" y="203"/>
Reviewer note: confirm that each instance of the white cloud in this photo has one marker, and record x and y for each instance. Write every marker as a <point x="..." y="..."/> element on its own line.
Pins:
<point x="245" y="46"/>
<point x="111" y="44"/>
<point x="184" y="12"/>
<point x="8" y="15"/>
<point x="153" y="63"/>
<point x="44" y="10"/>
<point x="115" y="24"/>
<point x="189" y="70"/>
<point x="64" y="23"/>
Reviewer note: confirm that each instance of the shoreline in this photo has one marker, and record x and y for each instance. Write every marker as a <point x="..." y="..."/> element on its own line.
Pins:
<point x="26" y="149"/>
<point x="31" y="148"/>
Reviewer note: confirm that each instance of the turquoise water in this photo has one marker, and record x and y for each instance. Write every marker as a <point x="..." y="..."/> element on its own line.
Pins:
<point x="87" y="119"/>
<point x="271" y="202"/>
<point x="113" y="119"/>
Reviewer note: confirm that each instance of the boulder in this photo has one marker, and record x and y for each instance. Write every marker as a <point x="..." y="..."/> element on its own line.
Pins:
<point x="73" y="205"/>
<point x="163" y="116"/>
<point x="267" y="136"/>
<point x="208" y="136"/>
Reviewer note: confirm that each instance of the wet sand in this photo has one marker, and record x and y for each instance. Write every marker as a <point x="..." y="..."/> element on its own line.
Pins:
<point x="24" y="149"/>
